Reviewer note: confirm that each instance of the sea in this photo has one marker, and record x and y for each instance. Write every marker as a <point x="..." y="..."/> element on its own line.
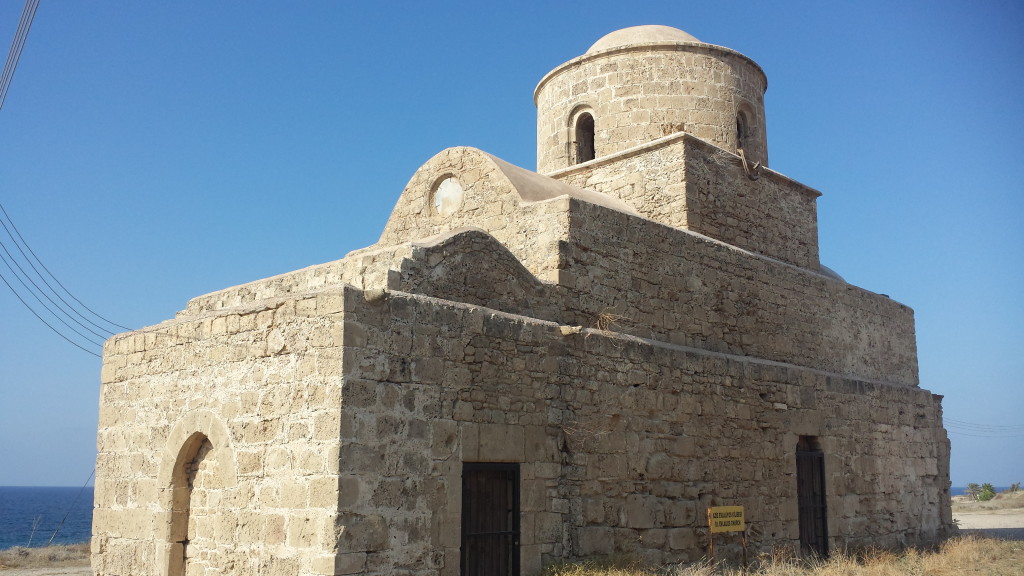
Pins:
<point x="32" y="515"/>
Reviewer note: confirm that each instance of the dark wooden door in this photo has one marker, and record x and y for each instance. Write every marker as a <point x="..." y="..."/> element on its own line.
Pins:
<point x="810" y="482"/>
<point x="490" y="519"/>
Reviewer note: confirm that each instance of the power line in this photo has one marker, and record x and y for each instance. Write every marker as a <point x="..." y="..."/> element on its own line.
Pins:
<point x="976" y="430"/>
<point x="994" y="427"/>
<point x="16" y="268"/>
<point x="40" y="300"/>
<point x="39" y="291"/>
<point x="961" y="433"/>
<point x="30" y="309"/>
<point x="57" y="310"/>
<point x="28" y="13"/>
<point x="19" y="242"/>
<point x="30" y="286"/>
<point x="35" y="313"/>
<point x="71" y="507"/>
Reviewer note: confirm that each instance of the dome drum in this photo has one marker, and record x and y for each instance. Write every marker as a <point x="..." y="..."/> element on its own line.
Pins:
<point x="639" y="85"/>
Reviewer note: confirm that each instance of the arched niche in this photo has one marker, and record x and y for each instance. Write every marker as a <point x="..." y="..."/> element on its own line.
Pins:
<point x="198" y="446"/>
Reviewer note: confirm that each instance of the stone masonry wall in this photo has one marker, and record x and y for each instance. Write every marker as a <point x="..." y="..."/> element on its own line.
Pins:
<point x="649" y="280"/>
<point x="655" y="281"/>
<point x="364" y="268"/>
<point x="642" y="93"/>
<point x="623" y="441"/>
<point x="684" y="182"/>
<point x="410" y="379"/>
<point x="263" y="384"/>
<point x="491" y="202"/>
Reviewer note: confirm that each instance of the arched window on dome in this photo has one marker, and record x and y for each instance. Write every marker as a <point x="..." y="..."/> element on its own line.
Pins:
<point x="584" y="138"/>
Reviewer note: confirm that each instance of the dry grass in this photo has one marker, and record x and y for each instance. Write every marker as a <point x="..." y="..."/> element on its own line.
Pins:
<point x="46" y="556"/>
<point x="972" y="556"/>
<point x="965" y="556"/>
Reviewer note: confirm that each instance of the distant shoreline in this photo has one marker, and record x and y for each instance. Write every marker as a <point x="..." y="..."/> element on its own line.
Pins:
<point x="962" y="490"/>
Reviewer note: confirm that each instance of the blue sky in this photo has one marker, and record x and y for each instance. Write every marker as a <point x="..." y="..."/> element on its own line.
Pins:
<point x="152" y="151"/>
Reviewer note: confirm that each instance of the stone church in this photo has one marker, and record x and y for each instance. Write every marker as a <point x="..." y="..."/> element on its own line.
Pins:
<point x="534" y="366"/>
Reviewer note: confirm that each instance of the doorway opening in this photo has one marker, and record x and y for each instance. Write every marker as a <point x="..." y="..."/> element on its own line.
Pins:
<point x="810" y="486"/>
<point x="490" y="519"/>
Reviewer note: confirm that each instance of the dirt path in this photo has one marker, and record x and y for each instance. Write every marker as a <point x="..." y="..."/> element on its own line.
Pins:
<point x="1002" y="524"/>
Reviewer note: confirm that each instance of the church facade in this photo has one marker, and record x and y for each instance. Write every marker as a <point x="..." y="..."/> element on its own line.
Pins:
<point x="533" y="366"/>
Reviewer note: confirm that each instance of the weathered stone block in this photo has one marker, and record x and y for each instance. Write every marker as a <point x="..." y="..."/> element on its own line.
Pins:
<point x="501" y="443"/>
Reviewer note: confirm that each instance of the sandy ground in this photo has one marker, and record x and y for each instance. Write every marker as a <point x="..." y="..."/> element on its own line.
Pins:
<point x="1002" y="524"/>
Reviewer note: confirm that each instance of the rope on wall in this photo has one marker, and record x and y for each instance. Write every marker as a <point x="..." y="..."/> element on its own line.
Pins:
<point x="752" y="172"/>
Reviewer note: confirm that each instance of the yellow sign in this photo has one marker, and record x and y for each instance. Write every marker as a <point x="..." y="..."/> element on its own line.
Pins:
<point x="725" y="519"/>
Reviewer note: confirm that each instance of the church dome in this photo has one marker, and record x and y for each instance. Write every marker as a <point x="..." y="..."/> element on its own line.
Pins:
<point x="643" y="83"/>
<point x="641" y="35"/>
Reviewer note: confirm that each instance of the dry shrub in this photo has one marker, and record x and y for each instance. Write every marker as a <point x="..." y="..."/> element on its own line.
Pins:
<point x="605" y="321"/>
<point x="46" y="556"/>
<point x="976" y="555"/>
